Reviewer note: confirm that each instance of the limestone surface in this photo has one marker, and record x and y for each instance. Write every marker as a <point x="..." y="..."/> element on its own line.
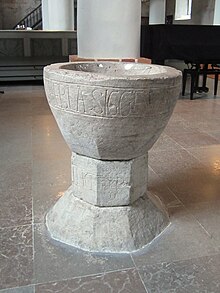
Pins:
<point x="110" y="114"/>
<point x="111" y="111"/>
<point x="105" y="229"/>
<point x="109" y="183"/>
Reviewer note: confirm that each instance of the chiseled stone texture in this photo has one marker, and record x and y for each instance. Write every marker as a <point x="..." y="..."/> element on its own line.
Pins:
<point x="111" y="111"/>
<point x="109" y="183"/>
<point x="105" y="229"/>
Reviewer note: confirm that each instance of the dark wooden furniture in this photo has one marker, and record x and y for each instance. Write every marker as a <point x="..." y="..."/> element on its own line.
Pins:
<point x="195" y="70"/>
<point x="194" y="44"/>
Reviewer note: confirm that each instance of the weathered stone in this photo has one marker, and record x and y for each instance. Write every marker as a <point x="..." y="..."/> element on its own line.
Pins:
<point x="111" y="111"/>
<point x="104" y="229"/>
<point x="109" y="183"/>
<point x="110" y="114"/>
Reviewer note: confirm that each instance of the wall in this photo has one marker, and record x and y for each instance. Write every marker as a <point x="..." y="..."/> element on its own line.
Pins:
<point x="0" y="14"/>
<point x="14" y="10"/>
<point x="208" y="11"/>
<point x="217" y="13"/>
<point x="58" y="15"/>
<point x="202" y="12"/>
<point x="109" y="29"/>
<point x="145" y="8"/>
<point x="11" y="11"/>
<point x="1" y="3"/>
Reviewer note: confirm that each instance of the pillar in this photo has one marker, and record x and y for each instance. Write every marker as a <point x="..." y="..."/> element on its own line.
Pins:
<point x="217" y="13"/>
<point x="109" y="29"/>
<point x="45" y="15"/>
<point x="58" y="15"/>
<point x="157" y="11"/>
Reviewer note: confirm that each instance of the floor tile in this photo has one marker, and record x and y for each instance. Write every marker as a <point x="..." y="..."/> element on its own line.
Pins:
<point x="215" y="134"/>
<point x="55" y="261"/>
<point x="209" y="156"/>
<point x="26" y="289"/>
<point x="16" y="256"/>
<point x="169" y="162"/>
<point x="208" y="215"/>
<point x="194" y="185"/>
<point x="54" y="172"/>
<point x="44" y="197"/>
<point x="15" y="151"/>
<point x="165" y="142"/>
<point x="16" y="206"/>
<point x="40" y="107"/>
<point x="186" y="176"/>
<point x="17" y="127"/>
<point x="178" y="126"/>
<point x="201" y="275"/>
<point x="195" y="138"/>
<point x="15" y="103"/>
<point x="15" y="176"/>
<point x="115" y="282"/>
<point x="50" y="150"/>
<point x="205" y="122"/>
<point x="158" y="188"/>
<point x="15" y="136"/>
<point x="45" y="130"/>
<point x="183" y="239"/>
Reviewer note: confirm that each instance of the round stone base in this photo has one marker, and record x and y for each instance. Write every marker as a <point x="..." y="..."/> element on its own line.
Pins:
<point x="105" y="229"/>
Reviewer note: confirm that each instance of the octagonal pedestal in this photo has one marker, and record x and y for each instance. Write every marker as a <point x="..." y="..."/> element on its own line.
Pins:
<point x="107" y="209"/>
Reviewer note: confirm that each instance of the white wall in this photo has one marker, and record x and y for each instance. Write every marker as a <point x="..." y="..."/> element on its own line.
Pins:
<point x="109" y="29"/>
<point x="45" y="15"/>
<point x="0" y="15"/>
<point x="217" y="13"/>
<point x="58" y="15"/>
<point x="208" y="11"/>
<point x="157" y="11"/>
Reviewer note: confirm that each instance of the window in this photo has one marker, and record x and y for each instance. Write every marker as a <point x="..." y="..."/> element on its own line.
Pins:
<point x="183" y="9"/>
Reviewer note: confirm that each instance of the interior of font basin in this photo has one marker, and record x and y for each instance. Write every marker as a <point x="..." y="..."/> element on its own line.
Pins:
<point x="115" y="68"/>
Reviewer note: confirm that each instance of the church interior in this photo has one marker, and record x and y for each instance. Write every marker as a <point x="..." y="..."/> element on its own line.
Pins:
<point x="35" y="161"/>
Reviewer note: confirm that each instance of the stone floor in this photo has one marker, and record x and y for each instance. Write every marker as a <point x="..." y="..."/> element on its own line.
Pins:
<point x="35" y="171"/>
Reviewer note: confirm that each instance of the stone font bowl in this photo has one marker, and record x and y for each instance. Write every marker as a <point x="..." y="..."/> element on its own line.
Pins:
<point x="111" y="110"/>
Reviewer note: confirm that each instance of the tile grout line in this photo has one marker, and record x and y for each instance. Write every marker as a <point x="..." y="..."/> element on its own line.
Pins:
<point x="32" y="201"/>
<point x="199" y="160"/>
<point x="203" y="228"/>
<point x="179" y="260"/>
<point x="139" y="273"/>
<point x="173" y="193"/>
<point x="84" y="276"/>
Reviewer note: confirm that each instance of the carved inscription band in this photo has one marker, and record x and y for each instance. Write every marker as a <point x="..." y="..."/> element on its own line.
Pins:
<point x="108" y="102"/>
